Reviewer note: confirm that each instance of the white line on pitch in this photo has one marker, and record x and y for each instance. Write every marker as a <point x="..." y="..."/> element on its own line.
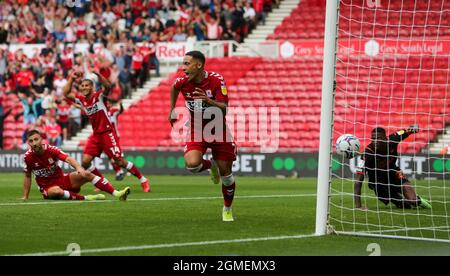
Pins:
<point x="150" y="199"/>
<point x="167" y="245"/>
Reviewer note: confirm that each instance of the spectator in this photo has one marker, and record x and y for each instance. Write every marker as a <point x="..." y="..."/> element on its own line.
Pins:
<point x="67" y="59"/>
<point x="74" y="120"/>
<point x="228" y="33"/>
<point x="204" y="5"/>
<point x="3" y="34"/>
<point x="63" y="111"/>
<point x="191" y="38"/>
<point x="48" y="48"/>
<point x="39" y="85"/>
<point x="136" y="67"/>
<point x="3" y="65"/>
<point x="125" y="82"/>
<point x="53" y="131"/>
<point x="214" y="31"/>
<point x="59" y="83"/>
<point x="28" y="115"/>
<point x="237" y="15"/>
<point x="24" y="80"/>
<point x="259" y="10"/>
<point x="129" y="20"/>
<point x="2" y="97"/>
<point x="180" y="35"/>
<point x="250" y="16"/>
<point x="152" y="7"/>
<point x="153" y="59"/>
<point x="199" y="29"/>
<point x="71" y="32"/>
<point x="108" y="15"/>
<point x="119" y="58"/>
<point x="146" y="51"/>
<point x="59" y="34"/>
<point x="48" y="101"/>
<point x="36" y="104"/>
<point x="3" y="116"/>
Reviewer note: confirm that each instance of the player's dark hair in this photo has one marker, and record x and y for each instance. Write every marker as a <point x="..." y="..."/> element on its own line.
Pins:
<point x="33" y="132"/>
<point x="379" y="130"/>
<point x="92" y="83"/>
<point x="197" y="55"/>
<point x="379" y="141"/>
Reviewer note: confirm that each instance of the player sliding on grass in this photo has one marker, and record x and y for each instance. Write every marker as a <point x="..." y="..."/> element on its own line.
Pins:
<point x="42" y="160"/>
<point x="104" y="137"/>
<point x="385" y="177"/>
<point x="206" y="92"/>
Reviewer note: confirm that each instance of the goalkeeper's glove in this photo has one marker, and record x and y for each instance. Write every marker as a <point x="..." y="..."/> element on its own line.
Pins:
<point x="413" y="129"/>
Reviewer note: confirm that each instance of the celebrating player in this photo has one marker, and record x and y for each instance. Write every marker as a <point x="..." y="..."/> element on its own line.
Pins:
<point x="104" y="137"/>
<point x="42" y="160"/>
<point x="385" y="177"/>
<point x="203" y="90"/>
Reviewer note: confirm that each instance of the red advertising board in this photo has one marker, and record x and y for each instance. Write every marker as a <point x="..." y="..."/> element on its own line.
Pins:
<point x="375" y="47"/>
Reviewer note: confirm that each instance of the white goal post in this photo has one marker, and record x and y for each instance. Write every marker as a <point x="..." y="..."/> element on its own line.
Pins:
<point x="386" y="65"/>
<point x="326" y="116"/>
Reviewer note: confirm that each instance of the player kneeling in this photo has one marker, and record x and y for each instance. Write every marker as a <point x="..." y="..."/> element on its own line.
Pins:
<point x="42" y="160"/>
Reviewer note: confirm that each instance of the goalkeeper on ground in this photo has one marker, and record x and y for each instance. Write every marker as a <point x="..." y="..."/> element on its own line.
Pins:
<point x="385" y="177"/>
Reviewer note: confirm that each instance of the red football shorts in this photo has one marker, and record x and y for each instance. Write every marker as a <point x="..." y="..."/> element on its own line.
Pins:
<point x="106" y="142"/>
<point x="63" y="182"/>
<point x="224" y="151"/>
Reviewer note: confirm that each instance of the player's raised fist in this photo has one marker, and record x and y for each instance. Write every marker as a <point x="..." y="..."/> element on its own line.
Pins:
<point x="76" y="74"/>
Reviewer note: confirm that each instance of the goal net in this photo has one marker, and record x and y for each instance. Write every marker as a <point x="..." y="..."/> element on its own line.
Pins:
<point x="392" y="71"/>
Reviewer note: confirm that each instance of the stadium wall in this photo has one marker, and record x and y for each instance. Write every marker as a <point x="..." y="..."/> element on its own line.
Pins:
<point x="252" y="164"/>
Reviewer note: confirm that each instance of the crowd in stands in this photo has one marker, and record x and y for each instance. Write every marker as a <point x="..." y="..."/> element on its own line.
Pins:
<point x="136" y="26"/>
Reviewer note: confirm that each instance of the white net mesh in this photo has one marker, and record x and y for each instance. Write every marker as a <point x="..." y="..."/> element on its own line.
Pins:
<point x="392" y="71"/>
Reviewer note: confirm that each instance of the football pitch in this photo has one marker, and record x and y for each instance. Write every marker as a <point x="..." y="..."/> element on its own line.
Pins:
<point x="182" y="216"/>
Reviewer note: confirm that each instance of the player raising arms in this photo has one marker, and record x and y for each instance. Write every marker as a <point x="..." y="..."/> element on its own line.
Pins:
<point x="202" y="90"/>
<point x="42" y="160"/>
<point x="104" y="137"/>
<point x="385" y="177"/>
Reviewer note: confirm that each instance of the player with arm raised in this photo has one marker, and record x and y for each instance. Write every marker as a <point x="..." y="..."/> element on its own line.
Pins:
<point x="104" y="137"/>
<point x="42" y="160"/>
<point x="385" y="177"/>
<point x="202" y="91"/>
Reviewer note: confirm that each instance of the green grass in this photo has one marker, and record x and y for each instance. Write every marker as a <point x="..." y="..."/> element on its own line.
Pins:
<point x="263" y="208"/>
<point x="416" y="222"/>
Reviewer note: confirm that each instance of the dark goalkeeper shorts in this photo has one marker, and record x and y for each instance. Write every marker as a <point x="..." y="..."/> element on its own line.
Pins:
<point x="390" y="190"/>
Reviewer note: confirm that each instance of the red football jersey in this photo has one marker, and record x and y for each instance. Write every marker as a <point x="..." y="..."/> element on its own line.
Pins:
<point x="96" y="110"/>
<point x="45" y="166"/>
<point x="214" y="86"/>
